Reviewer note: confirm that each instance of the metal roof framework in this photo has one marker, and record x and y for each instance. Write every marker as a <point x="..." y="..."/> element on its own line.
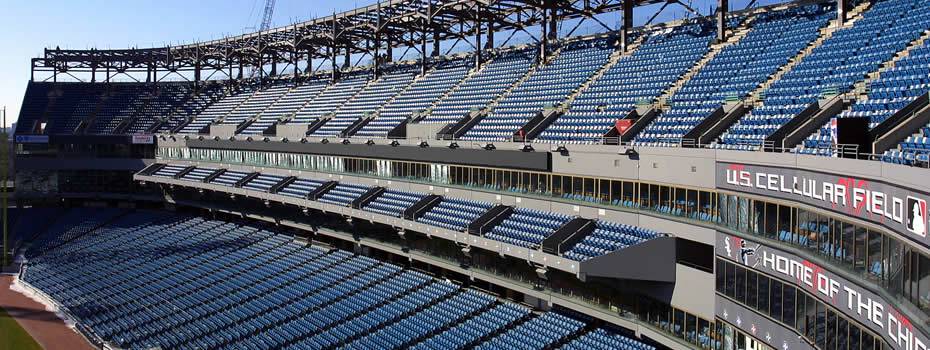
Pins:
<point x="372" y="31"/>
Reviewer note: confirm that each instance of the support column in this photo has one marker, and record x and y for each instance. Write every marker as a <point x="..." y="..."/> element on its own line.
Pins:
<point x="436" y="43"/>
<point x="295" y="57"/>
<point x="197" y="72"/>
<point x="332" y="50"/>
<point x="553" y="25"/>
<point x="229" y="64"/>
<point x="309" y="69"/>
<point x="627" y="24"/>
<point x="347" y="58"/>
<point x="377" y="54"/>
<point x="274" y="66"/>
<point x="332" y="57"/>
<point x="241" y="67"/>
<point x="722" y="7"/>
<point x="544" y="36"/>
<point x="388" y="51"/>
<point x="424" y="56"/>
<point x="490" y="37"/>
<point x="842" y="7"/>
<point x="478" y="37"/>
<point x="259" y="65"/>
<point x="197" y="68"/>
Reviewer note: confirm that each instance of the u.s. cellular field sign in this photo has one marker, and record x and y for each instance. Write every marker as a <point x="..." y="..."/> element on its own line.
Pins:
<point x="902" y="210"/>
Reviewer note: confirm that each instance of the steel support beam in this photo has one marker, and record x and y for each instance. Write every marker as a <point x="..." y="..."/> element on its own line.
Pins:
<point x="424" y="35"/>
<point x="309" y="69"/>
<point x="543" y="42"/>
<point x="342" y="32"/>
<point x="347" y="59"/>
<point x="389" y="51"/>
<point x="478" y="36"/>
<point x="377" y="53"/>
<point x="332" y="58"/>
<point x="723" y="6"/>
<point x="842" y="8"/>
<point x="436" y="42"/>
<point x="626" y="25"/>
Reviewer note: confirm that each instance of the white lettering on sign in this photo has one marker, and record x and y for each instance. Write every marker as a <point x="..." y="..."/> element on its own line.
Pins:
<point x="857" y="304"/>
<point x="850" y="194"/>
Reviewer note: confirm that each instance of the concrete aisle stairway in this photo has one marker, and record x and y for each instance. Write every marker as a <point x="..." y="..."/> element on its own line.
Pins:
<point x="471" y="72"/>
<point x="825" y="33"/>
<point x="615" y="57"/>
<point x="733" y="37"/>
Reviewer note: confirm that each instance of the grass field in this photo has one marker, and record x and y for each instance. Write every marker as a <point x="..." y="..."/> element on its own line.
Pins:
<point x="14" y="337"/>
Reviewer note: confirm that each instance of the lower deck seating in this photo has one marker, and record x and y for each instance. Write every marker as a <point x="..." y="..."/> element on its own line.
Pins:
<point x="152" y="279"/>
<point x="608" y="237"/>
<point x="525" y="227"/>
<point x="538" y="333"/>
<point x="603" y="339"/>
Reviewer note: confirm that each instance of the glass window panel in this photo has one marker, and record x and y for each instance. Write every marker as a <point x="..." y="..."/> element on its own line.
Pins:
<point x="679" y="323"/>
<point x="842" y="333"/>
<point x="923" y="286"/>
<point x="775" y="300"/>
<point x="740" y="288"/>
<point x="752" y="296"/>
<point x="730" y="280"/>
<point x="854" y="334"/>
<point x="875" y="261"/>
<point x="788" y="304"/>
<point x="830" y="330"/>
<point x="763" y="293"/>
<point x="821" y="327"/>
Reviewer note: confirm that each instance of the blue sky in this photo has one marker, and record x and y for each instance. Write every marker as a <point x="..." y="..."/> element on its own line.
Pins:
<point x="29" y="26"/>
